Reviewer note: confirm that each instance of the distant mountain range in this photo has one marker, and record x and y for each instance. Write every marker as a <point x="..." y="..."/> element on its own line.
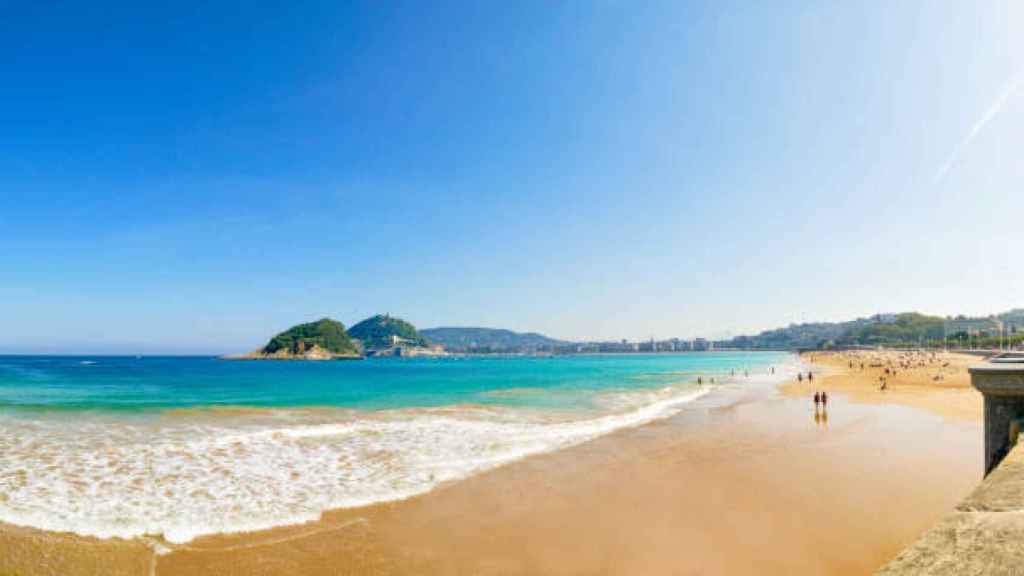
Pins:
<point x="468" y="339"/>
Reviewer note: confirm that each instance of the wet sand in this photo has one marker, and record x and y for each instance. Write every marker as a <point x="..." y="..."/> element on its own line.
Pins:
<point x="742" y="482"/>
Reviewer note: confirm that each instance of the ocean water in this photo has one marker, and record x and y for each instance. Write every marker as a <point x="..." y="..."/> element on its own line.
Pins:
<point x="183" y="447"/>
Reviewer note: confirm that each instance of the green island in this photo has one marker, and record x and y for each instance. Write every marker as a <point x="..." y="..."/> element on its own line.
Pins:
<point x="327" y="339"/>
<point x="383" y="332"/>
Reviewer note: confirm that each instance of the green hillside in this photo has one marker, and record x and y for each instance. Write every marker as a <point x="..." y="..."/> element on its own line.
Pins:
<point x="379" y="332"/>
<point x="329" y="335"/>
<point x="491" y="339"/>
<point x="907" y="328"/>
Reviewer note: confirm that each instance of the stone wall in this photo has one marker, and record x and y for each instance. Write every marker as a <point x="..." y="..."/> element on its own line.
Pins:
<point x="984" y="535"/>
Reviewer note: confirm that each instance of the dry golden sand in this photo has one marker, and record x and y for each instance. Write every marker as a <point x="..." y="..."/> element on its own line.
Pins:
<point x="935" y="381"/>
<point x="747" y="483"/>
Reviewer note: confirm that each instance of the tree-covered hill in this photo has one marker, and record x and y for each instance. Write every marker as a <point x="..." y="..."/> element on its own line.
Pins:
<point x="909" y="328"/>
<point x="382" y="331"/>
<point x="468" y="339"/>
<point x="794" y="336"/>
<point x="329" y="335"/>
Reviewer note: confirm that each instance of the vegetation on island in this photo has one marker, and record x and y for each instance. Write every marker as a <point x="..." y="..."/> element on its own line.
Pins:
<point x="326" y="334"/>
<point x="383" y="331"/>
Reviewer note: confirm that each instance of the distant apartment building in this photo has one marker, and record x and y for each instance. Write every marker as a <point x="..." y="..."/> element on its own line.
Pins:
<point x="616" y="347"/>
<point x="990" y="326"/>
<point x="1013" y="325"/>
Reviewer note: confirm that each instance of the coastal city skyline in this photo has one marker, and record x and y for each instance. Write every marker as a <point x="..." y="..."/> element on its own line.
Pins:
<point x="664" y="170"/>
<point x="1004" y="330"/>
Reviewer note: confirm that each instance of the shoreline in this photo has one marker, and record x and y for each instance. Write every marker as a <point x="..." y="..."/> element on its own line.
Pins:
<point x="681" y="483"/>
<point x="541" y="433"/>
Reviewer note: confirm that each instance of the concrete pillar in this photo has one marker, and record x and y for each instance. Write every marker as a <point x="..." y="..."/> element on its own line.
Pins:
<point x="1002" y="384"/>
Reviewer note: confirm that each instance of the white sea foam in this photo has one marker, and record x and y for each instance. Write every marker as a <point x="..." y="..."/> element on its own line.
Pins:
<point x="183" y="475"/>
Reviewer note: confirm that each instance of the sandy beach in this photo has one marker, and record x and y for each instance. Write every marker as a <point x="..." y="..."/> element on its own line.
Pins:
<point x="743" y="482"/>
<point x="933" y="381"/>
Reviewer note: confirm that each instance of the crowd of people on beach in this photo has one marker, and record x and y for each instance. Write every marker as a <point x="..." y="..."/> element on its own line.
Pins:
<point x="891" y="365"/>
<point x="887" y="370"/>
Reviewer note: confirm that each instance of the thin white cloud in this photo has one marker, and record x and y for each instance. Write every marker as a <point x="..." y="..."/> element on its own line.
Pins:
<point x="1011" y="88"/>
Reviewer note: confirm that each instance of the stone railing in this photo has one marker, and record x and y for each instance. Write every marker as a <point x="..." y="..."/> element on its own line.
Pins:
<point x="1001" y="381"/>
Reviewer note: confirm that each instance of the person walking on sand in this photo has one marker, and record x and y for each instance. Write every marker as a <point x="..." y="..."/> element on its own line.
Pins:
<point x="824" y="399"/>
<point x="799" y="376"/>
<point x="817" y="400"/>
<point x="810" y="376"/>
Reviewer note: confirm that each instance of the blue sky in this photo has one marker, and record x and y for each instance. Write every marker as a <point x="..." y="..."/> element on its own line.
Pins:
<point x="193" y="178"/>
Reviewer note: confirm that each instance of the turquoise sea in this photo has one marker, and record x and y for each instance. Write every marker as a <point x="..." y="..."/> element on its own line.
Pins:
<point x="182" y="447"/>
<point x="152" y="383"/>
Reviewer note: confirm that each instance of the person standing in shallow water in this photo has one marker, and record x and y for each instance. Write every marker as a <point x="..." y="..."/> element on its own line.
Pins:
<point x="817" y="399"/>
<point x="824" y="399"/>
